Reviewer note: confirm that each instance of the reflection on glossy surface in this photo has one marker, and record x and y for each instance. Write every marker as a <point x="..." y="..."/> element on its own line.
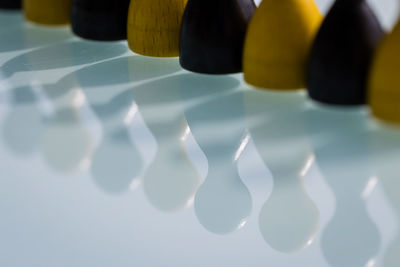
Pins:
<point x="61" y="55"/>
<point x="128" y="69"/>
<point x="115" y="109"/>
<point x="168" y="188"/>
<point x="19" y="35"/>
<point x="340" y="142"/>
<point x="223" y="203"/>
<point x="65" y="123"/>
<point x="171" y="188"/>
<point x="84" y="123"/>
<point x="116" y="162"/>
<point x="67" y="142"/>
<point x="121" y="71"/>
<point x="276" y="124"/>
<point x="159" y="104"/>
<point x="22" y="128"/>
<point x="385" y="148"/>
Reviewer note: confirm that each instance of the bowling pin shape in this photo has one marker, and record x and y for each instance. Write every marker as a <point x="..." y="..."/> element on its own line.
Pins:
<point x="102" y="20"/>
<point x="341" y="54"/>
<point x="340" y="143"/>
<point x="48" y="12"/>
<point x="384" y="83"/>
<point x="213" y="33"/>
<point x="160" y="104"/>
<point x="278" y="42"/>
<point x="275" y="120"/>
<point x="154" y="27"/>
<point x="168" y="188"/>
<point x="22" y="126"/>
<point x="10" y="4"/>
<point x="385" y="144"/>
<point x="223" y="203"/>
<point x="68" y="124"/>
<point x="116" y="163"/>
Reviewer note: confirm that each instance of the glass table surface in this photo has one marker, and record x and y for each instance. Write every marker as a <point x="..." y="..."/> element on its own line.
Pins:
<point x="108" y="158"/>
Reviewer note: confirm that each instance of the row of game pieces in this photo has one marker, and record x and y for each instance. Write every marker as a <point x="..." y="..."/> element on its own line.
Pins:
<point x="283" y="45"/>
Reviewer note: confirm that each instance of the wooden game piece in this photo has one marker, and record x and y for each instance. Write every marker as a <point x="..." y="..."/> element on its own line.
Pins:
<point x="48" y="12"/>
<point x="154" y="26"/>
<point x="100" y="20"/>
<point x="384" y="83"/>
<point x="213" y="34"/>
<point x="278" y="41"/>
<point x="10" y="4"/>
<point x="341" y="54"/>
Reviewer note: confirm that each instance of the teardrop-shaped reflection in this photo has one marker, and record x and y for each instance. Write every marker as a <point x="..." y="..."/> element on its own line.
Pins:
<point x="67" y="141"/>
<point x="117" y="163"/>
<point x="385" y="148"/>
<point x="168" y="187"/>
<point x="289" y="219"/>
<point x="223" y="202"/>
<point x="22" y="127"/>
<point x="46" y="58"/>
<point x="171" y="180"/>
<point x="340" y="141"/>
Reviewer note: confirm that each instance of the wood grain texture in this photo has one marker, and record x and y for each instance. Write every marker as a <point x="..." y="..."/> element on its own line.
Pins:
<point x="48" y="12"/>
<point x="154" y="27"/>
<point x="213" y="33"/>
<point x="278" y="42"/>
<point x="101" y="20"/>
<point x="341" y="54"/>
<point x="10" y="4"/>
<point x="384" y="82"/>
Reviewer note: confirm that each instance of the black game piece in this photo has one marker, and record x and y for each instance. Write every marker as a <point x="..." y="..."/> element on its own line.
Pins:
<point x="212" y="35"/>
<point x="342" y="52"/>
<point x="10" y="4"/>
<point x="101" y="20"/>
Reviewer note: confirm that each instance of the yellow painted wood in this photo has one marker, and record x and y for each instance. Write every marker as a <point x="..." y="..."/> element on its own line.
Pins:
<point x="154" y="27"/>
<point x="48" y="12"/>
<point x="384" y="82"/>
<point x="278" y="43"/>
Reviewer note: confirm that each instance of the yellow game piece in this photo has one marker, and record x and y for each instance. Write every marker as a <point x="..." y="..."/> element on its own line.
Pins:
<point x="154" y="27"/>
<point x="384" y="83"/>
<point x="48" y="12"/>
<point x="278" y="42"/>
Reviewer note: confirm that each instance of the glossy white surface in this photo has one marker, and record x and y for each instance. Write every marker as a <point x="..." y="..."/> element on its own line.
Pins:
<point x="112" y="159"/>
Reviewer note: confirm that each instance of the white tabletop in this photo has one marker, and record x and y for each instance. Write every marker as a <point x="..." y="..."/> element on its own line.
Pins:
<point x="108" y="158"/>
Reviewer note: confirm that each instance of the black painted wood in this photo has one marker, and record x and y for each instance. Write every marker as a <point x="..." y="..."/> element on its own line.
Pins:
<point x="341" y="54"/>
<point x="10" y="4"/>
<point x="212" y="35"/>
<point x="101" y="20"/>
